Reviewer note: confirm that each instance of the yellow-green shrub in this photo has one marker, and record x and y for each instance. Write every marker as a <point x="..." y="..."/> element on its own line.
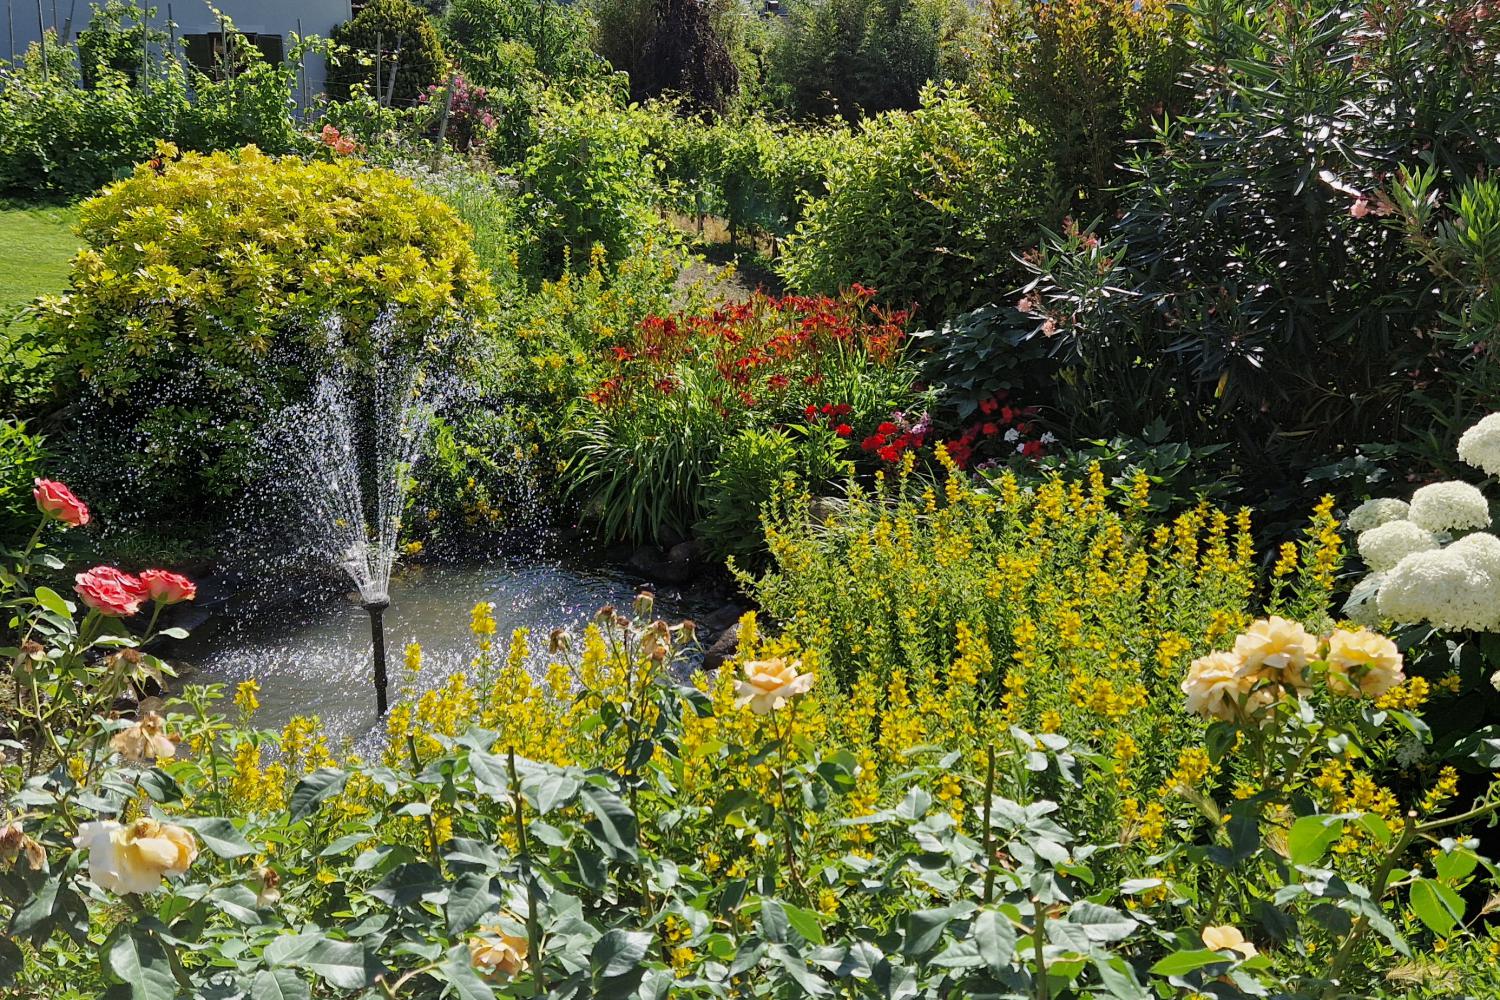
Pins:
<point x="204" y="292"/>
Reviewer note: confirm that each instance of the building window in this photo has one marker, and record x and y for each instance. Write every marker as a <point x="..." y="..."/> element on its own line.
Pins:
<point x="208" y="53"/>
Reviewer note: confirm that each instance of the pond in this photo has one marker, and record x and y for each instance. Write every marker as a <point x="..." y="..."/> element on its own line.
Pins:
<point x="313" y="657"/>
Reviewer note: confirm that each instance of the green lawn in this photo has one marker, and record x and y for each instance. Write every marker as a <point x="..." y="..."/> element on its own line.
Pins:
<point x="36" y="243"/>
<point x="35" y="246"/>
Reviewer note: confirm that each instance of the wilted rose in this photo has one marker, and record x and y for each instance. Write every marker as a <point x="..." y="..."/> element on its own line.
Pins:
<point x="14" y="843"/>
<point x="145" y="741"/>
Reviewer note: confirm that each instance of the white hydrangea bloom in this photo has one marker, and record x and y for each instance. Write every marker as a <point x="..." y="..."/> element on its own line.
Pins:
<point x="1374" y="513"/>
<point x="1450" y="505"/>
<point x="1441" y="588"/>
<point x="1480" y="445"/>
<point x="1480" y="550"/>
<point x="1383" y="547"/>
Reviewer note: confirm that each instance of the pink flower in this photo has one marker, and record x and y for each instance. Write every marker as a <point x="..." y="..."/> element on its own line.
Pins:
<point x="167" y="587"/>
<point x="1360" y="208"/>
<point x="58" y="502"/>
<point x="111" y="592"/>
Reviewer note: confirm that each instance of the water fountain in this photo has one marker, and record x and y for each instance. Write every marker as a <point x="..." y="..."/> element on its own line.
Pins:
<point x="350" y="449"/>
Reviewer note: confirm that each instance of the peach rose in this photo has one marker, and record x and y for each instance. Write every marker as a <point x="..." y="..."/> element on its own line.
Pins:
<point x="110" y="592"/>
<point x="58" y="502"/>
<point x="167" y="587"/>
<point x="135" y="858"/>
<point x="1226" y="938"/>
<point x="1362" y="663"/>
<point x="769" y="684"/>
<point x="1218" y="688"/>
<point x="146" y="740"/>
<point x="496" y="954"/>
<point x="1278" y="649"/>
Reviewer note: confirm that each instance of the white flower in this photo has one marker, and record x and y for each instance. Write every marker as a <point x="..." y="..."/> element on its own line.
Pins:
<point x="1442" y="588"/>
<point x="769" y="684"/>
<point x="1048" y="437"/>
<point x="1374" y="513"/>
<point x="1012" y="435"/>
<point x="1218" y="688"/>
<point x="126" y="859"/>
<point x="1480" y="445"/>
<point x="1383" y="547"/>
<point x="1480" y="550"/>
<point x="1495" y="680"/>
<point x="1444" y="506"/>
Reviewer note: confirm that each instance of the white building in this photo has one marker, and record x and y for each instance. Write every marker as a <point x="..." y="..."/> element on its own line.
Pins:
<point x="271" y="24"/>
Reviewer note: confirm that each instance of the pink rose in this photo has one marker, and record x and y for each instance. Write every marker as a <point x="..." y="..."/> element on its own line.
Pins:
<point x="58" y="502"/>
<point x="111" y="592"/>
<point x="167" y="587"/>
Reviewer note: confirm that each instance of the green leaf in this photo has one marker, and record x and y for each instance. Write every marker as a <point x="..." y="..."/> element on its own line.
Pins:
<point x="804" y="922"/>
<point x="463" y="980"/>
<point x="219" y="834"/>
<point x="1456" y="865"/>
<point x="139" y="959"/>
<point x="619" y="952"/>
<point x="12" y="960"/>
<point x="1311" y="837"/>
<point x="469" y="901"/>
<point x="1101" y="924"/>
<point x="1119" y="979"/>
<point x="341" y="964"/>
<point x="996" y="939"/>
<point x="279" y="984"/>
<point x="615" y="825"/>
<point x="1182" y="962"/>
<point x="313" y="789"/>
<point x="1436" y="905"/>
<point x="53" y="602"/>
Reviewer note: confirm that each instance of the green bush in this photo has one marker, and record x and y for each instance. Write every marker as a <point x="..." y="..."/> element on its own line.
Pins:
<point x="483" y="34"/>
<point x="117" y="35"/>
<point x="855" y="57"/>
<point x="204" y="294"/>
<point x="587" y="179"/>
<point x="1089" y="75"/>
<point x="927" y="207"/>
<point x="383" y="27"/>
<point x="58" y="135"/>
<point x="22" y="459"/>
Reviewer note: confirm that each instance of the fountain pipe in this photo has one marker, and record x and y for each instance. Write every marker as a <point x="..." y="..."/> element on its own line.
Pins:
<point x="377" y="633"/>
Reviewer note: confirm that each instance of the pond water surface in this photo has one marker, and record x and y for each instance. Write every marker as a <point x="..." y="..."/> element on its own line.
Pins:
<point x="314" y="657"/>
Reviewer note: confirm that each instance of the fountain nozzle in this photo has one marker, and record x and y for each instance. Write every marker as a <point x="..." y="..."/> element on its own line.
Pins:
<point x="376" y="608"/>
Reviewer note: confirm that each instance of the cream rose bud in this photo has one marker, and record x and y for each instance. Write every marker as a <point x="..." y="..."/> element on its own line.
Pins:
<point x="1226" y="938"/>
<point x="1362" y="663"/>
<point x="769" y="684"/>
<point x="1277" y="647"/>
<point x="135" y="858"/>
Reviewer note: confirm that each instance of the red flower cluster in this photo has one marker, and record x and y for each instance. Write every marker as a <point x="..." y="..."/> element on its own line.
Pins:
<point x="1011" y="425"/>
<point x="830" y="414"/>
<point x="340" y="144"/>
<point x="896" y="437"/>
<point x="754" y="353"/>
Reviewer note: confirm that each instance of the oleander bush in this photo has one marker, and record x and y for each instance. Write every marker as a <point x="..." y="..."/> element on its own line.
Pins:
<point x="212" y="288"/>
<point x="1257" y="287"/>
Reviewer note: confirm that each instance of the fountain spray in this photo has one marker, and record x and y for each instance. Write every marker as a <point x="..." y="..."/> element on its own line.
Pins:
<point x="353" y="445"/>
